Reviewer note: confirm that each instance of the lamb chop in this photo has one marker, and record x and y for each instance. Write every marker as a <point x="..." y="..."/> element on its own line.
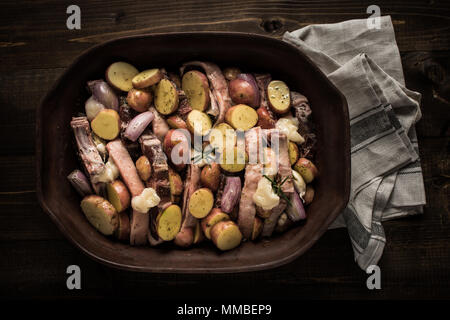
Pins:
<point x="91" y="158"/>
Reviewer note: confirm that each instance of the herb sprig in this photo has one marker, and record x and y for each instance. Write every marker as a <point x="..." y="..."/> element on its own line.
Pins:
<point x="276" y="187"/>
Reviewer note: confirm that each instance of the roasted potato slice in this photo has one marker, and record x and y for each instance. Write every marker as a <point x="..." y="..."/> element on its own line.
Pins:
<point x="106" y="124"/>
<point x="119" y="75"/>
<point x="168" y="222"/>
<point x="201" y="203"/>
<point x="166" y="97"/>
<point x="196" y="87"/>
<point x="241" y="117"/>
<point x="101" y="214"/>
<point x="146" y="78"/>
<point x="279" y="96"/>
<point x="226" y="235"/>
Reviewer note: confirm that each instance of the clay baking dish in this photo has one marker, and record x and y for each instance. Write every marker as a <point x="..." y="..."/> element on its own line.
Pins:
<point x="56" y="158"/>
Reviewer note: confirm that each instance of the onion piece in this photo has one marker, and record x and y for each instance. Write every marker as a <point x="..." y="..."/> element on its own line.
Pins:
<point x="92" y="107"/>
<point x="138" y="124"/>
<point x="104" y="94"/>
<point x="296" y="211"/>
<point x="231" y="194"/>
<point x="80" y="183"/>
<point x="252" y="81"/>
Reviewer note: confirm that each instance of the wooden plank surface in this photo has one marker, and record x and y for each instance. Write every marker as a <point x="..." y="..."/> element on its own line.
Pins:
<point x="36" y="47"/>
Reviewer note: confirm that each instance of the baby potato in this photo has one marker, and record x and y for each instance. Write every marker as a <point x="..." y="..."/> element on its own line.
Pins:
<point x="198" y="122"/>
<point x="234" y="160"/>
<point x="139" y="99"/>
<point x="265" y="121"/>
<point x="201" y="203"/>
<point x="279" y="96"/>
<point x="144" y="168"/>
<point x="175" y="122"/>
<point x="241" y="117"/>
<point x="196" y="87"/>
<point x="146" y="78"/>
<point x="222" y="135"/>
<point x="118" y="195"/>
<point x="106" y="124"/>
<point x="294" y="153"/>
<point x="176" y="184"/>
<point x="210" y="176"/>
<point x="226" y="235"/>
<point x="166" y="97"/>
<point x="215" y="216"/>
<point x="184" y="238"/>
<point x="307" y="169"/>
<point x="119" y="75"/>
<point x="101" y="214"/>
<point x="168" y="223"/>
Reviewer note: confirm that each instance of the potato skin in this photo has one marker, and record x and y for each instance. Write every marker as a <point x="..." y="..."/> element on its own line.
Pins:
<point x="175" y="122"/>
<point x="139" y="99"/>
<point x="210" y="176"/>
<point x="172" y="139"/>
<point x="307" y="169"/>
<point x="242" y="92"/>
<point x="184" y="238"/>
<point x="118" y="195"/>
<point x="265" y="121"/>
<point x="144" y="168"/>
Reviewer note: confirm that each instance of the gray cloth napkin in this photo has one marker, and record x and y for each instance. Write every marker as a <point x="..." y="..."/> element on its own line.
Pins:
<point x="386" y="180"/>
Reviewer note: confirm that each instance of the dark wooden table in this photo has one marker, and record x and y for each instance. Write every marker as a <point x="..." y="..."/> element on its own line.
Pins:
<point x="36" y="47"/>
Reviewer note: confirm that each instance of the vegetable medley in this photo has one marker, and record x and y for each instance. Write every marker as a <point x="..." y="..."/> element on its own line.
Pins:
<point x="201" y="153"/>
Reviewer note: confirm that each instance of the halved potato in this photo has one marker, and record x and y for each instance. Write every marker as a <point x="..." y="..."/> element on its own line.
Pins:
<point x="216" y="215"/>
<point x="294" y="153"/>
<point x="226" y="235"/>
<point x="196" y="87"/>
<point x="279" y="96"/>
<point x="139" y="99"/>
<point x="119" y="75"/>
<point x="198" y="122"/>
<point x="106" y="124"/>
<point x="146" y="78"/>
<point x="222" y="135"/>
<point x="176" y="184"/>
<point x="101" y="214"/>
<point x="175" y="122"/>
<point x="168" y="222"/>
<point x="144" y="168"/>
<point x="201" y="203"/>
<point x="118" y="195"/>
<point x="241" y="117"/>
<point x="234" y="160"/>
<point x="166" y="97"/>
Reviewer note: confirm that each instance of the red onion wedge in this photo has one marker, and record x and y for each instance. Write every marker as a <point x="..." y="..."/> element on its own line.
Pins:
<point x="80" y="183"/>
<point x="104" y="94"/>
<point x="231" y="194"/>
<point x="295" y="210"/>
<point x="138" y="124"/>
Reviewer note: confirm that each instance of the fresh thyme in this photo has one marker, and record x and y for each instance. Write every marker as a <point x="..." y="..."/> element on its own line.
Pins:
<point x="276" y="187"/>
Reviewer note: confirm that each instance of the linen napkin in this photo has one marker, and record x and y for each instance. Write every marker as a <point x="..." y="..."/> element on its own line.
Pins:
<point x="386" y="179"/>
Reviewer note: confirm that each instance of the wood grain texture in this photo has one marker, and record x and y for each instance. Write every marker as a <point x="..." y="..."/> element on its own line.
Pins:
<point x="36" y="47"/>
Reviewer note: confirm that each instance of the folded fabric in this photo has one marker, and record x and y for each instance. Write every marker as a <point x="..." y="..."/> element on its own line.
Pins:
<point x="386" y="180"/>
